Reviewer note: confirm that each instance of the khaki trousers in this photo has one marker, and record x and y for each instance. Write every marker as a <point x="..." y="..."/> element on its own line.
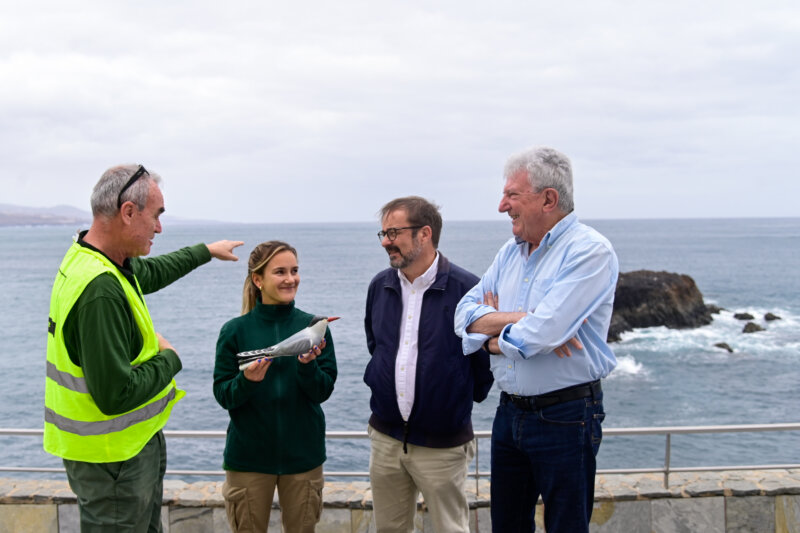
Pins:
<point x="397" y="478"/>
<point x="248" y="500"/>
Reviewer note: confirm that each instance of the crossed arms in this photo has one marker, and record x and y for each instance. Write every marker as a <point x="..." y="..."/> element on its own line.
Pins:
<point x="492" y="324"/>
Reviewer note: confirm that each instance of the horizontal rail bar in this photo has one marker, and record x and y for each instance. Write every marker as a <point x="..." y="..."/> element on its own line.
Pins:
<point x="675" y="430"/>
<point x="657" y="430"/>
<point x="31" y="469"/>
<point x="482" y="474"/>
<point x="695" y="469"/>
<point x="356" y="435"/>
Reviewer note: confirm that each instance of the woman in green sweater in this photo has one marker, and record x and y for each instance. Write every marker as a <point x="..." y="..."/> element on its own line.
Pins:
<point x="276" y="434"/>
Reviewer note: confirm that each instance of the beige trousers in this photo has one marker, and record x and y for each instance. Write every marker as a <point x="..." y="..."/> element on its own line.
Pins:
<point x="248" y="500"/>
<point x="397" y="479"/>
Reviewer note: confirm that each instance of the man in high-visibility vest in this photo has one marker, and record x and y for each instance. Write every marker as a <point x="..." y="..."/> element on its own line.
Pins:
<point x="110" y="376"/>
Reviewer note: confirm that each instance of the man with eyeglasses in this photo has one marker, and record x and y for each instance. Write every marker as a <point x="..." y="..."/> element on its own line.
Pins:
<point x="109" y="388"/>
<point x="422" y="385"/>
<point x="553" y="283"/>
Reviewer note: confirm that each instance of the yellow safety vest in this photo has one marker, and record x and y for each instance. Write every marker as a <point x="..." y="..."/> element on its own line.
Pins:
<point x="74" y="427"/>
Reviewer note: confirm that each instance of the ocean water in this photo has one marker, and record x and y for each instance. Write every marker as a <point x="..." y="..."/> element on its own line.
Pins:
<point x="664" y="377"/>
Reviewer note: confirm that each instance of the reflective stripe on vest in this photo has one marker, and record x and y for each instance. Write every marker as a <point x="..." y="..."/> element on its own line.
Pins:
<point x="67" y="380"/>
<point x="75" y="428"/>
<point x="102" y="427"/>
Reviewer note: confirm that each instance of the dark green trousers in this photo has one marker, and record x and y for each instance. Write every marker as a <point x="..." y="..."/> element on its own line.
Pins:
<point x="124" y="496"/>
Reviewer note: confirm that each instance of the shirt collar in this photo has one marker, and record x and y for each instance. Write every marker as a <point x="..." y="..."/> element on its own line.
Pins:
<point x="555" y="232"/>
<point x="427" y="278"/>
<point x="125" y="267"/>
<point x="273" y="312"/>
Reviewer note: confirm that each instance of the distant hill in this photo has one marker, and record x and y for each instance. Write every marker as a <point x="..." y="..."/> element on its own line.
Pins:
<point x="17" y="215"/>
<point x="66" y="215"/>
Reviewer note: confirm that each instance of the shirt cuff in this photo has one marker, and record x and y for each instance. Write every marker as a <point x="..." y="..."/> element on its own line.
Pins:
<point x="247" y="385"/>
<point x="174" y="361"/>
<point x="307" y="369"/>
<point x="507" y="345"/>
<point x="201" y="253"/>
<point x="472" y="342"/>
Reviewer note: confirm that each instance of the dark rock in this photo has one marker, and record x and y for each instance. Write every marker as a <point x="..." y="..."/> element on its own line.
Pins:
<point x="770" y="317"/>
<point x="714" y="309"/>
<point x="743" y="316"/>
<point x="724" y="346"/>
<point x="618" y="325"/>
<point x="645" y="298"/>
<point x="751" y="327"/>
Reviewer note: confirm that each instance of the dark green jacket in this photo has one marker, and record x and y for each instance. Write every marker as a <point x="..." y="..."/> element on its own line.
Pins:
<point x="102" y="337"/>
<point x="277" y="425"/>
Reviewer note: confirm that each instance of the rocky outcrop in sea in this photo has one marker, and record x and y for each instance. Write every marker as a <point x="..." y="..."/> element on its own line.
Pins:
<point x="645" y="298"/>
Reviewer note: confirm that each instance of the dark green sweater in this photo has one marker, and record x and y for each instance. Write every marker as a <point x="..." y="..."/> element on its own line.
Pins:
<point x="102" y="337"/>
<point x="276" y="425"/>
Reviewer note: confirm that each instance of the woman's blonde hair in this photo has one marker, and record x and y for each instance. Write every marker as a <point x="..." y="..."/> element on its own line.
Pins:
<point x="261" y="255"/>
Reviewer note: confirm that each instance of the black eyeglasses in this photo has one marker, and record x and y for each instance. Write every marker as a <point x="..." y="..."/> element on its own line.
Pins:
<point x="136" y="175"/>
<point x="392" y="232"/>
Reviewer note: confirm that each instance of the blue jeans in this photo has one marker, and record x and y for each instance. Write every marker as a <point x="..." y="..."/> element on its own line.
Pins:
<point x="548" y="452"/>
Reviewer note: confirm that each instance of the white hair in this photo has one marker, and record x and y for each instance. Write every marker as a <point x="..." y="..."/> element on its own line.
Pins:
<point x="545" y="168"/>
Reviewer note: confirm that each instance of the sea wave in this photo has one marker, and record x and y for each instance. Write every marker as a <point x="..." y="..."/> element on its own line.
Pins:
<point x="628" y="367"/>
<point x="780" y="338"/>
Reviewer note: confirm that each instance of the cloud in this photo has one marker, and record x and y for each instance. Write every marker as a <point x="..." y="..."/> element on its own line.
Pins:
<point x="322" y="112"/>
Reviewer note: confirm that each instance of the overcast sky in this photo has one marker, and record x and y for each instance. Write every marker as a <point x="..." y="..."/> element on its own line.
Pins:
<point x="323" y="111"/>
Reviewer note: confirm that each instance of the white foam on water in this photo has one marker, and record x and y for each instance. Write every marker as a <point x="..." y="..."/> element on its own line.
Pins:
<point x="628" y="367"/>
<point x="780" y="338"/>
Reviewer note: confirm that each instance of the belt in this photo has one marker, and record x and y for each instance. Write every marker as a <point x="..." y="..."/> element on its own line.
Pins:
<point x="540" y="401"/>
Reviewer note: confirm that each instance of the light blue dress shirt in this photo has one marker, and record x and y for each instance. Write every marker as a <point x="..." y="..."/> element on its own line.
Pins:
<point x="567" y="288"/>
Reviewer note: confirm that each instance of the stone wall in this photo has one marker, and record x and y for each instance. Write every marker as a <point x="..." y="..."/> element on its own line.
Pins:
<point x="725" y="502"/>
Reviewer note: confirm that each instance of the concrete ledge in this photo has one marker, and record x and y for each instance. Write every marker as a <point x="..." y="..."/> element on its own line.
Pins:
<point x="753" y="500"/>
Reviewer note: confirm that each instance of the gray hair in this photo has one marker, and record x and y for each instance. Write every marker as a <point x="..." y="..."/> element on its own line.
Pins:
<point x="106" y="191"/>
<point x="545" y="168"/>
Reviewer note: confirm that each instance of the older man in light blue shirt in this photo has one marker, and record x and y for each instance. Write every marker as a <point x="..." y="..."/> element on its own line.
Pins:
<point x="542" y="309"/>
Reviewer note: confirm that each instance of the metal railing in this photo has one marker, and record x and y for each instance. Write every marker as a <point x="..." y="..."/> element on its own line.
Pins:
<point x="666" y="469"/>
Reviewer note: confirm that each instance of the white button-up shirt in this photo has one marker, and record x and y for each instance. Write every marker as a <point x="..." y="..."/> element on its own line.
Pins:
<point x="405" y="370"/>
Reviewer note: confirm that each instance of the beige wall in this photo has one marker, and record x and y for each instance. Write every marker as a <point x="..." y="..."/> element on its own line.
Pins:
<point x="724" y="502"/>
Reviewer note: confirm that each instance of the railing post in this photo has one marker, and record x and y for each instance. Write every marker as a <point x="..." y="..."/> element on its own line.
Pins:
<point x="477" y="467"/>
<point x="666" y="460"/>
